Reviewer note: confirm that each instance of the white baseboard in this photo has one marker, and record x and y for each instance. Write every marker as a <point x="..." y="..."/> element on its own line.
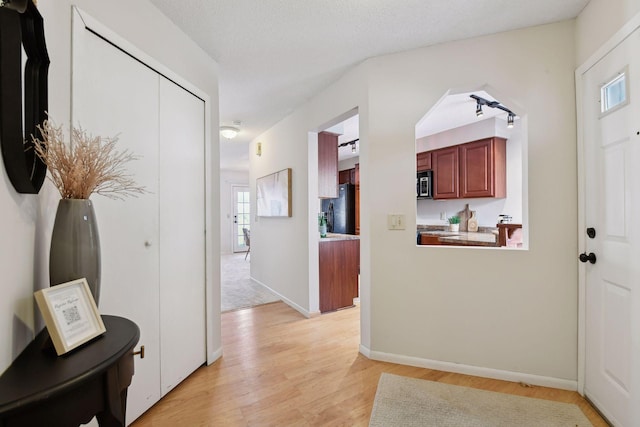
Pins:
<point x="301" y="310"/>
<point x="214" y="356"/>
<point x="458" y="368"/>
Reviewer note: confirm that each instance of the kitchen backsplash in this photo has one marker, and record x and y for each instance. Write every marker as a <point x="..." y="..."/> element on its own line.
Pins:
<point x="487" y="210"/>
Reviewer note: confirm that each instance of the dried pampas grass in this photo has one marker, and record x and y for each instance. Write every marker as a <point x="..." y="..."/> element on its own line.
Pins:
<point x="85" y="166"/>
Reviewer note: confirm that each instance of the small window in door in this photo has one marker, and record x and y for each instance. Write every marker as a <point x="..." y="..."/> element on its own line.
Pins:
<point x="614" y="93"/>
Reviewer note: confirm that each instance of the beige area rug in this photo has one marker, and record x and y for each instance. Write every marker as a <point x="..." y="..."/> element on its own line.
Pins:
<point x="402" y="401"/>
<point x="237" y="288"/>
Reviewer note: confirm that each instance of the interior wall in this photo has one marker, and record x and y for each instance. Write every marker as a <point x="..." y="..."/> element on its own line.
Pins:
<point x="229" y="179"/>
<point x="510" y="311"/>
<point x="283" y="249"/>
<point x="27" y="220"/>
<point x="498" y="310"/>
<point x="592" y="30"/>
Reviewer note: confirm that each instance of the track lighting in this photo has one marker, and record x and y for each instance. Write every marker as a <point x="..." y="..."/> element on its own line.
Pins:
<point x="351" y="143"/>
<point x="479" y="112"/>
<point x="353" y="148"/>
<point x="493" y="104"/>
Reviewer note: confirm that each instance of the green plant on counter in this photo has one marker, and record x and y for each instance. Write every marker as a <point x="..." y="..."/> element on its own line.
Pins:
<point x="454" y="219"/>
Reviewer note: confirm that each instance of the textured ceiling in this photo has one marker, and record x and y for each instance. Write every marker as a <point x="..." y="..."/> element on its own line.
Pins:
<point x="276" y="54"/>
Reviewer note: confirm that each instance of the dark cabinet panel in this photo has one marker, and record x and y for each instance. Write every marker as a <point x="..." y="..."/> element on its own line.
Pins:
<point x="445" y="173"/>
<point x="423" y="161"/>
<point x="327" y="165"/>
<point x="483" y="168"/>
<point x="338" y="264"/>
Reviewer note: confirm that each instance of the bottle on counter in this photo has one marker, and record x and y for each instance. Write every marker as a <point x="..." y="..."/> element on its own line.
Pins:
<point x="323" y="225"/>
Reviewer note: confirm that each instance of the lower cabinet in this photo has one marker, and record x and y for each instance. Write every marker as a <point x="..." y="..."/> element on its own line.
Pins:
<point x="339" y="268"/>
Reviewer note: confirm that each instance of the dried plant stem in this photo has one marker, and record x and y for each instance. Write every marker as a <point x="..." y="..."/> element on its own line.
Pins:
<point x="85" y="166"/>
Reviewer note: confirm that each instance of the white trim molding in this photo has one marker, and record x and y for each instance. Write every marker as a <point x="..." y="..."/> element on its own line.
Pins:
<point x="306" y="313"/>
<point x="477" y="371"/>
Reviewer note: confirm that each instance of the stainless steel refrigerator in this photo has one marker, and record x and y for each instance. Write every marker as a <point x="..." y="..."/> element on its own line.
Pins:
<point x="341" y="211"/>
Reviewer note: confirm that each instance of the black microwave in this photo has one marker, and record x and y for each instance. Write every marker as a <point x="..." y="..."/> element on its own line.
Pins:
<point x="424" y="185"/>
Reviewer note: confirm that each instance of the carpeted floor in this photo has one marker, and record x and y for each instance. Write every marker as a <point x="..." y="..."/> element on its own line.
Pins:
<point x="402" y="401"/>
<point x="238" y="290"/>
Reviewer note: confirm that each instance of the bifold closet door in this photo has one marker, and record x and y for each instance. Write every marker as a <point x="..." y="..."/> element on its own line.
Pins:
<point x="153" y="246"/>
<point x="182" y="234"/>
<point x="113" y="94"/>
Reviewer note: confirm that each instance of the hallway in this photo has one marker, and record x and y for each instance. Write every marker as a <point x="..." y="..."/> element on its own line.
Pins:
<point x="237" y="289"/>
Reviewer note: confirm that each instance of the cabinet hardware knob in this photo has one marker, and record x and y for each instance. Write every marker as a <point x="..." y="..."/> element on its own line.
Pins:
<point x="140" y="352"/>
<point x="148" y="243"/>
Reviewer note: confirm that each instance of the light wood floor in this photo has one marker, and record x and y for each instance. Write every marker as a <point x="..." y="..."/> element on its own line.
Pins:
<point x="280" y="369"/>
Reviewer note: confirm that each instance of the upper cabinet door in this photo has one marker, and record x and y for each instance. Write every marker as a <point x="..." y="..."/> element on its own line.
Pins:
<point x="327" y="165"/>
<point x="445" y="173"/>
<point x="423" y="161"/>
<point x="483" y="168"/>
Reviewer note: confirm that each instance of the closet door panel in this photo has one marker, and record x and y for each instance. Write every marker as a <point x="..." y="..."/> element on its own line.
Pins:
<point x="113" y="94"/>
<point x="182" y="234"/>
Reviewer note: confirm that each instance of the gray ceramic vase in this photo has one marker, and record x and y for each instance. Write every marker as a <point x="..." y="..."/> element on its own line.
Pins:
<point x="75" y="245"/>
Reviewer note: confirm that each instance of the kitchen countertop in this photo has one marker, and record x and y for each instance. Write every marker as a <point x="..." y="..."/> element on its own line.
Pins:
<point x="485" y="237"/>
<point x="332" y="237"/>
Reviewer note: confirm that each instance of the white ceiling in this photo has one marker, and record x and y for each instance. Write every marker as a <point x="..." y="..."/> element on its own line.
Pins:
<point x="276" y="54"/>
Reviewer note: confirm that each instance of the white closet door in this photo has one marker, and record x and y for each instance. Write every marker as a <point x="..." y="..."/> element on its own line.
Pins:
<point x="115" y="94"/>
<point x="182" y="234"/>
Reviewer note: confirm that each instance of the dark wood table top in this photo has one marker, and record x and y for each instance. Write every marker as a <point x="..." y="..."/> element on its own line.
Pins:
<point x="38" y="374"/>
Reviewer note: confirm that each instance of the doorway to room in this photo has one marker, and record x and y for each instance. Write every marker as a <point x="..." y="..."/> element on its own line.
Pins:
<point x="238" y="290"/>
<point x="335" y="255"/>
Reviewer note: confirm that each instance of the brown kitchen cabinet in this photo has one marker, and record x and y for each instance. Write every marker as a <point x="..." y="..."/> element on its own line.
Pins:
<point x="423" y="161"/>
<point x="483" y="168"/>
<point x="338" y="273"/>
<point x="445" y="165"/>
<point x="327" y="165"/>
<point x="347" y="176"/>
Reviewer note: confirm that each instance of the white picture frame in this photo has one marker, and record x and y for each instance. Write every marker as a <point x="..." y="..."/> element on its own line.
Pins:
<point x="70" y="314"/>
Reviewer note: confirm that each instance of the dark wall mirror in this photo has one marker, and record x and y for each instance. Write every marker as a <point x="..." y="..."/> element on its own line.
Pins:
<point x="23" y="92"/>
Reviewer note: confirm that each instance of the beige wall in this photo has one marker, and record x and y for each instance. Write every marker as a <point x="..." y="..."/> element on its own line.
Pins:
<point x="501" y="310"/>
<point x="26" y="221"/>
<point x="600" y="20"/>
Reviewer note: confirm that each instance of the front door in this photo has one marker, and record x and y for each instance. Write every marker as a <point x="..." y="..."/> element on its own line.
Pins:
<point x="611" y="209"/>
<point x="241" y="217"/>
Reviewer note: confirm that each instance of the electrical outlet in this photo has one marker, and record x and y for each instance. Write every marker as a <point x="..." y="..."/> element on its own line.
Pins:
<point x="396" y="222"/>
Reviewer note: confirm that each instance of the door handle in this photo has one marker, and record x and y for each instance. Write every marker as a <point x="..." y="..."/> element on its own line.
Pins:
<point x="591" y="257"/>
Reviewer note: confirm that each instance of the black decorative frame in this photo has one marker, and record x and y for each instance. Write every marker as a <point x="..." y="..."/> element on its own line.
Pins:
<point x="21" y="26"/>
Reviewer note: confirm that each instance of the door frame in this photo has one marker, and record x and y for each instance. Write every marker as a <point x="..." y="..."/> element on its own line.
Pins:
<point x="212" y="254"/>
<point x="234" y="187"/>
<point x="624" y="32"/>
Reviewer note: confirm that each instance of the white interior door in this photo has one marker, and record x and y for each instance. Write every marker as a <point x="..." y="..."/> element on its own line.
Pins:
<point x="115" y="94"/>
<point x="182" y="234"/>
<point x="241" y="216"/>
<point x="612" y="190"/>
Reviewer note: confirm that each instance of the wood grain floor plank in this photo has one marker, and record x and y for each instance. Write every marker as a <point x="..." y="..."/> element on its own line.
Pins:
<point x="281" y="369"/>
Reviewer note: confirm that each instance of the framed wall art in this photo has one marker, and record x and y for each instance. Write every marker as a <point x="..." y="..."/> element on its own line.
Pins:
<point x="70" y="313"/>
<point x="273" y="193"/>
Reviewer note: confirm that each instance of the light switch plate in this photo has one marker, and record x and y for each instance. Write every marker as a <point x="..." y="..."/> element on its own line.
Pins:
<point x="396" y="222"/>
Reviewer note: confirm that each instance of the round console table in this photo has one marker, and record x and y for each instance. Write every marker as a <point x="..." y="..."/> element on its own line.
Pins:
<point x="41" y="388"/>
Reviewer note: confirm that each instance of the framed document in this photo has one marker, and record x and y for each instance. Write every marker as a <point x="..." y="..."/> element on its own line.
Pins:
<point x="70" y="313"/>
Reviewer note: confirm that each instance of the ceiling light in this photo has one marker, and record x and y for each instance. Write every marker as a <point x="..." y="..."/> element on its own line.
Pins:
<point x="510" y="119"/>
<point x="229" y="132"/>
